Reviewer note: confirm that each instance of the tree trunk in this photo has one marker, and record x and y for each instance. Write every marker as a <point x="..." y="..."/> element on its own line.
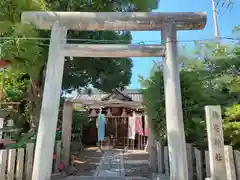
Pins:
<point x="36" y="108"/>
<point x="35" y="98"/>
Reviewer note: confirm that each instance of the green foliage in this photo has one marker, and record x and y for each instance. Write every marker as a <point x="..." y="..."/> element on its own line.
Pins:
<point x="233" y="113"/>
<point x="21" y="143"/>
<point x="103" y="6"/>
<point x="29" y="56"/>
<point x="231" y="125"/>
<point x="153" y="98"/>
<point x="80" y="119"/>
<point x="11" y="10"/>
<point x="14" y="88"/>
<point x="29" y="137"/>
<point x="214" y="80"/>
<point x="194" y="95"/>
<point x="25" y="54"/>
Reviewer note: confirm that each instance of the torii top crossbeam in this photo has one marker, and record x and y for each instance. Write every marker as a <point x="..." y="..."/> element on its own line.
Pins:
<point x="116" y="20"/>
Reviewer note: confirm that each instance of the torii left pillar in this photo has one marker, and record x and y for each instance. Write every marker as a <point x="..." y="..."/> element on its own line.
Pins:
<point x="42" y="167"/>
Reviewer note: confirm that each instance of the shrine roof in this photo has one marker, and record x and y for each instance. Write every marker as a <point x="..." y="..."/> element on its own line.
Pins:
<point x="128" y="98"/>
<point x="130" y="94"/>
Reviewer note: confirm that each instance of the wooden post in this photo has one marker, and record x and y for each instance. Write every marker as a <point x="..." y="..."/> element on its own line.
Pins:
<point x="66" y="132"/>
<point x="3" y="164"/>
<point x="116" y="131"/>
<point x="237" y="163"/>
<point x="146" y="130"/>
<point x="20" y="164"/>
<point x="42" y="167"/>
<point x="173" y="104"/>
<point x="148" y="138"/>
<point x="154" y="158"/>
<point x="152" y="151"/>
<point x="207" y="164"/>
<point x="11" y="164"/>
<point x="190" y="161"/>
<point x="160" y="157"/>
<point x="166" y="161"/>
<point x="134" y="126"/>
<point x="29" y="161"/>
<point x="1" y="126"/>
<point x="215" y="142"/>
<point x="133" y="144"/>
<point x="229" y="163"/>
<point x="199" y="166"/>
<point x="149" y="146"/>
<point x="58" y="156"/>
<point x="139" y="141"/>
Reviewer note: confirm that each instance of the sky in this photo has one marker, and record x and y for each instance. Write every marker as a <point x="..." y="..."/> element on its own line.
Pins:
<point x="227" y="20"/>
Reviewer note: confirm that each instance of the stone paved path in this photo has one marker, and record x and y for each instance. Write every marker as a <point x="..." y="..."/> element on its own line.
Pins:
<point x="104" y="178"/>
<point x="111" y="167"/>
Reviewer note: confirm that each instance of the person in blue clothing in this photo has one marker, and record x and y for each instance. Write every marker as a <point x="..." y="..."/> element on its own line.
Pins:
<point x="100" y="123"/>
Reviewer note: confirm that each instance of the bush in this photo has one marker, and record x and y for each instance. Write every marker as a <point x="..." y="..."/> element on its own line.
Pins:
<point x="231" y="126"/>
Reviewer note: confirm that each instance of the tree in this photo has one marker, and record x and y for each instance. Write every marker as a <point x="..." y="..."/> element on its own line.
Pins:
<point x="224" y="71"/>
<point x="15" y="86"/>
<point x="212" y="80"/>
<point x="194" y="97"/>
<point x="102" y="73"/>
<point x="231" y="125"/>
<point x="29" y="55"/>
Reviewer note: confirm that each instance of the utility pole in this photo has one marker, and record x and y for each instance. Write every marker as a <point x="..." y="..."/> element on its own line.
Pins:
<point x="216" y="30"/>
<point x="215" y="21"/>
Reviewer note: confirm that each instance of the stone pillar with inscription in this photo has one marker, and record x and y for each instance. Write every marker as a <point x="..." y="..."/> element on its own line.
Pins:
<point x="215" y="142"/>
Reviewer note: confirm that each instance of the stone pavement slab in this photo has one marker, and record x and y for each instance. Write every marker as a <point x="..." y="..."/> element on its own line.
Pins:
<point x="111" y="165"/>
<point x="160" y="177"/>
<point x="103" y="178"/>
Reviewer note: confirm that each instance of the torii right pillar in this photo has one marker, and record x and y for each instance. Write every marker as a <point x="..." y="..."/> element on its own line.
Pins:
<point x="173" y="105"/>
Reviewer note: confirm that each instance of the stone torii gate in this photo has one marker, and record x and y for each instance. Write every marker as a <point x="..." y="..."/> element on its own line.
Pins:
<point x="60" y="22"/>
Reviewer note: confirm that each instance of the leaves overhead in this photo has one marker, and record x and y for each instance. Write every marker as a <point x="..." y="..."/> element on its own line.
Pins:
<point x="30" y="55"/>
<point x="27" y="48"/>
